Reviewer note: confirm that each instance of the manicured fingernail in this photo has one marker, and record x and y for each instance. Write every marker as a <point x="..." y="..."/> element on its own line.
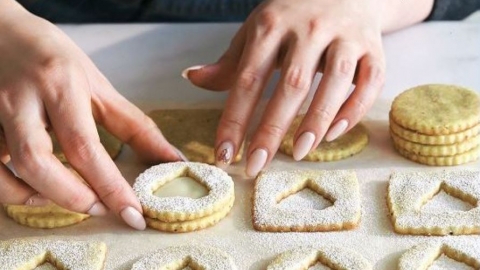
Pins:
<point x="185" y="71"/>
<point x="336" y="130"/>
<point x="303" y="145"/>
<point x="256" y="162"/>
<point x="133" y="218"/>
<point x="180" y="154"/>
<point x="224" y="154"/>
<point x="98" y="209"/>
<point x="37" y="200"/>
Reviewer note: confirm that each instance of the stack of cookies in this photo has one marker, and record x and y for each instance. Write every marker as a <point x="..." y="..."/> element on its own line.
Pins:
<point x="436" y="124"/>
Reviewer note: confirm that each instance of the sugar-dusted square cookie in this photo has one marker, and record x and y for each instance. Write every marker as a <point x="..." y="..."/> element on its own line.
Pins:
<point x="339" y="187"/>
<point x="409" y="191"/>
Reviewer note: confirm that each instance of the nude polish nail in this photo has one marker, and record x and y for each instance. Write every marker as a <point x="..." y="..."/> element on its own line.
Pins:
<point x="303" y="145"/>
<point x="133" y="218"/>
<point x="37" y="200"/>
<point x="224" y="154"/>
<point x="256" y="162"/>
<point x="98" y="209"/>
<point x="336" y="130"/>
<point x="185" y="71"/>
<point x="181" y="156"/>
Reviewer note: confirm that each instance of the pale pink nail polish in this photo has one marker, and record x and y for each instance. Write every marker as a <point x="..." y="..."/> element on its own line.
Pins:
<point x="98" y="209"/>
<point x="185" y="71"/>
<point x="180" y="154"/>
<point x="37" y="200"/>
<point x="303" y="145"/>
<point x="256" y="162"/>
<point x="133" y="218"/>
<point x="224" y="154"/>
<point x="336" y="130"/>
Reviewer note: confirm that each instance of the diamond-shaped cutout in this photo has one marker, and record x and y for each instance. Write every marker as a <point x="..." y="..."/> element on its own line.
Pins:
<point x="305" y="198"/>
<point x="323" y="257"/>
<point x="44" y="254"/>
<point x="185" y="258"/>
<point x="465" y="255"/>
<point x="409" y="192"/>
<point x="339" y="187"/>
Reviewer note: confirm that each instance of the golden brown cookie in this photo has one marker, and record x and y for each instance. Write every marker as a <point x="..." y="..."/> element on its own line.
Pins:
<point x="112" y="145"/>
<point x="45" y="217"/>
<point x="193" y="132"/>
<point x="436" y="109"/>
<point x="416" y="137"/>
<point x="436" y="150"/>
<point x="347" y="145"/>
<point x="466" y="157"/>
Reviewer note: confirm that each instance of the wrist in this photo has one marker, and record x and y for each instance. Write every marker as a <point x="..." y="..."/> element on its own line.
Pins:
<point x="399" y="14"/>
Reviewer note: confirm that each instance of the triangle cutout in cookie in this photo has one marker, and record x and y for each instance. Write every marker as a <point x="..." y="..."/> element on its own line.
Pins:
<point x="445" y="262"/>
<point x="184" y="183"/>
<point x="319" y="266"/>
<point x="306" y="196"/>
<point x="46" y="266"/>
<point x="443" y="201"/>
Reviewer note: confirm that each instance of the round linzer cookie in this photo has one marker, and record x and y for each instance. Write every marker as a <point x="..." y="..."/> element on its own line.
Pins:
<point x="183" y="214"/>
<point x="29" y="253"/>
<point x="465" y="157"/>
<point x="45" y="217"/>
<point x="436" y="150"/>
<point x="424" y="254"/>
<point x="347" y="145"/>
<point x="436" y="109"/>
<point x="433" y="139"/>
<point x="183" y="257"/>
<point x="331" y="256"/>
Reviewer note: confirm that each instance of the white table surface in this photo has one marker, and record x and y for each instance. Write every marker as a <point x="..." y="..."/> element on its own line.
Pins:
<point x="144" y="62"/>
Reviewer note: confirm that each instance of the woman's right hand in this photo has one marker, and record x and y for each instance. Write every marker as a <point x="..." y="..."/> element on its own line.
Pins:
<point x="48" y="83"/>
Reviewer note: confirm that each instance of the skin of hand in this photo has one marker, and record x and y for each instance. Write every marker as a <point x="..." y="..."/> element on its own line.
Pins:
<point x="341" y="38"/>
<point x="48" y="83"/>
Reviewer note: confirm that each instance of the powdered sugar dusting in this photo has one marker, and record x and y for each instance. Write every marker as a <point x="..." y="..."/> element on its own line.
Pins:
<point x="75" y="255"/>
<point x="409" y="191"/>
<point x="341" y="187"/>
<point x="182" y="256"/>
<point x="218" y="183"/>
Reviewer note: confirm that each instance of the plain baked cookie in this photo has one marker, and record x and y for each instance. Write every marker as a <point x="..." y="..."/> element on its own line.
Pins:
<point x="436" y="109"/>
<point x="339" y="187"/>
<point x="331" y="256"/>
<point x="193" y="132"/>
<point x="186" y="257"/>
<point x="347" y="145"/>
<point x="28" y="253"/>
<point x="421" y="256"/>
<point x="182" y="214"/>
<point x="409" y="191"/>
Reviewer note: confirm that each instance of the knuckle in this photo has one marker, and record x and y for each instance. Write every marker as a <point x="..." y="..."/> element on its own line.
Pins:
<point x="343" y="68"/>
<point x="321" y="114"/>
<point x="28" y="162"/>
<point x="360" y="106"/>
<point x="248" y="81"/>
<point x="376" y="74"/>
<point x="82" y="150"/>
<point x="53" y="73"/>
<point x="110" y="190"/>
<point x="267" y="20"/>
<point x="75" y="201"/>
<point x="234" y="124"/>
<point x="296" y="81"/>
<point x="272" y="130"/>
<point x="314" y="26"/>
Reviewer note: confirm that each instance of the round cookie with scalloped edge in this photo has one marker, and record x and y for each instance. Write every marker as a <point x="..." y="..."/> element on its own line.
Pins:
<point x="436" y="150"/>
<point x="466" y="157"/>
<point x="347" y="145"/>
<point x="175" y="209"/>
<point x="436" y="109"/>
<point x="181" y="257"/>
<point x="416" y="137"/>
